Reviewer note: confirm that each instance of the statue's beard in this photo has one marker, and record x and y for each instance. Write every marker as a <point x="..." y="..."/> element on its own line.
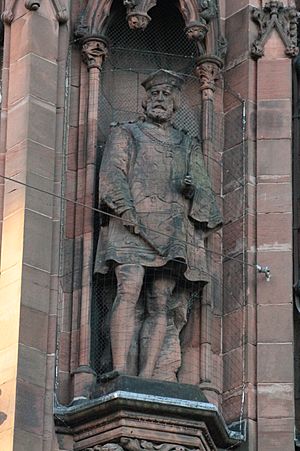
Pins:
<point x="159" y="115"/>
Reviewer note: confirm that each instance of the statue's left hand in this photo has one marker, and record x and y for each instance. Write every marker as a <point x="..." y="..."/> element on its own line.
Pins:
<point x="131" y="221"/>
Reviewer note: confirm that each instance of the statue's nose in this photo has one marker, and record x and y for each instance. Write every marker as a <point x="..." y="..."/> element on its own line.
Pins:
<point x="160" y="96"/>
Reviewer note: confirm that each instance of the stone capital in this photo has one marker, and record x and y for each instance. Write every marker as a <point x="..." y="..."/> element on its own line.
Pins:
<point x="94" y="52"/>
<point x="208" y="72"/>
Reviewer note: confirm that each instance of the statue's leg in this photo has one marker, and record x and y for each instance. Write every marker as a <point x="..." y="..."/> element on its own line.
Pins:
<point x="155" y="325"/>
<point x="122" y="327"/>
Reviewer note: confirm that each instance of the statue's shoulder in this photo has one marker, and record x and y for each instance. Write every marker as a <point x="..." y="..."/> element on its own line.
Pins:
<point x="123" y="125"/>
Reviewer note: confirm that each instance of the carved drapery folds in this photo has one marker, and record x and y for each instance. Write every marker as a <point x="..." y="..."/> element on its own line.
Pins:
<point x="274" y="15"/>
<point x="131" y="444"/>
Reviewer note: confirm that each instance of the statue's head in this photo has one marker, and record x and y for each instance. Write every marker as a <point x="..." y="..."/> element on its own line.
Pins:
<point x="162" y="95"/>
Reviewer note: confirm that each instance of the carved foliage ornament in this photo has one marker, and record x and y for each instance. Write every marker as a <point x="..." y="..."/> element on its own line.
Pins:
<point x="131" y="444"/>
<point x="284" y="19"/>
<point x="208" y="72"/>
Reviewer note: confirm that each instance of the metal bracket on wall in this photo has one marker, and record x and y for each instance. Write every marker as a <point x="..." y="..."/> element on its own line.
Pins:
<point x="264" y="270"/>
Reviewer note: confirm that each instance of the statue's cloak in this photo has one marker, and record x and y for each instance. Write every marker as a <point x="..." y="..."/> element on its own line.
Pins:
<point x="144" y="166"/>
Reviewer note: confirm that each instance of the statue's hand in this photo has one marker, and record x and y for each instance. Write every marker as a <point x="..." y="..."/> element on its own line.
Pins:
<point x="131" y="221"/>
<point x="188" y="188"/>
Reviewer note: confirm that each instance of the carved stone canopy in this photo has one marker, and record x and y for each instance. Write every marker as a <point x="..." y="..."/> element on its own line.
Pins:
<point x="200" y="17"/>
<point x="274" y="15"/>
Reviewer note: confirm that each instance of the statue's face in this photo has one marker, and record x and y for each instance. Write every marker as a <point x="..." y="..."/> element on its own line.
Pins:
<point x="160" y="103"/>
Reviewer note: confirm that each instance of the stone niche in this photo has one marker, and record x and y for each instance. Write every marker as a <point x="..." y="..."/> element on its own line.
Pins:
<point x="112" y="410"/>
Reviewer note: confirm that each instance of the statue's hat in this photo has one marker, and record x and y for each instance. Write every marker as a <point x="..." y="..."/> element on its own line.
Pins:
<point x="163" y="77"/>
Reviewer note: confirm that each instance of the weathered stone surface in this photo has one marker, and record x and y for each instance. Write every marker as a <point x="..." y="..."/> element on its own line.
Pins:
<point x="275" y="362"/>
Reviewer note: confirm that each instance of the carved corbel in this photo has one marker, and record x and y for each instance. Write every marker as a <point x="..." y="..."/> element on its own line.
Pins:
<point x="274" y="15"/>
<point x="137" y="13"/>
<point x="94" y="51"/>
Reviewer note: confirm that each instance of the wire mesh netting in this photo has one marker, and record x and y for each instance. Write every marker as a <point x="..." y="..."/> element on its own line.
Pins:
<point x="205" y="326"/>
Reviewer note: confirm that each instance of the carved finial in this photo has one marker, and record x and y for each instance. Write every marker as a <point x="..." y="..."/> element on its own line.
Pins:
<point x="94" y="51"/>
<point x="284" y="19"/>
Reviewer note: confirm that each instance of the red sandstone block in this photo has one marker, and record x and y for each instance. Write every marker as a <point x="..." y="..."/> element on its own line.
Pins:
<point x="241" y="80"/>
<point x="33" y="33"/>
<point x="34" y="76"/>
<point x="64" y="387"/>
<point x="233" y="237"/>
<point x="38" y="245"/>
<point x="31" y="395"/>
<point x="279" y="289"/>
<point x="251" y="324"/>
<point x="235" y="26"/>
<point x="233" y="283"/>
<point x="275" y="323"/>
<point x="51" y="335"/>
<point x="274" y="119"/>
<point x="274" y="198"/>
<point x="40" y="202"/>
<point x="216" y="334"/>
<point x="231" y="406"/>
<point x="236" y="5"/>
<point x="35" y="288"/>
<point x="274" y="80"/>
<point x="234" y="205"/>
<point x="275" y="400"/>
<point x="274" y="231"/>
<point x="275" y="434"/>
<point x="40" y="159"/>
<point x="273" y="158"/>
<point x="233" y="369"/>
<point x="33" y="328"/>
<point x="274" y="47"/>
<point x="32" y="365"/>
<point x="233" y="127"/>
<point x="232" y="330"/>
<point x="64" y="351"/>
<point x="24" y="440"/>
<point x="275" y="362"/>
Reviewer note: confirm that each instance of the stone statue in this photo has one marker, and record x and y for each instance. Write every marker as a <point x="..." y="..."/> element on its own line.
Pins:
<point x="154" y="185"/>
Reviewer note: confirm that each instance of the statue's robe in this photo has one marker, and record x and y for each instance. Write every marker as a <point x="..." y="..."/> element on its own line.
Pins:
<point x="143" y="167"/>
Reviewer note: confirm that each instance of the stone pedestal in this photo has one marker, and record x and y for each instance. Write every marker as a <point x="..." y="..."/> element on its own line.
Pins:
<point x="133" y="414"/>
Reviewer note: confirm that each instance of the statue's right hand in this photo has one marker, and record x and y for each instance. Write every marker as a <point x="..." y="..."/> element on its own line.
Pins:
<point x="131" y="221"/>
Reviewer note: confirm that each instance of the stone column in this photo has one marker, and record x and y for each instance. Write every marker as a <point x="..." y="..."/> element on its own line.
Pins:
<point x="208" y="72"/>
<point x="35" y="52"/>
<point x="94" y="51"/>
